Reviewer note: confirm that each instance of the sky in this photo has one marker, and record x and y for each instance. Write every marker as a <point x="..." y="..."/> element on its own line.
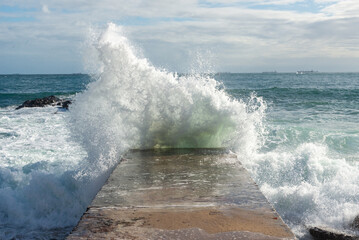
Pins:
<point x="48" y="36"/>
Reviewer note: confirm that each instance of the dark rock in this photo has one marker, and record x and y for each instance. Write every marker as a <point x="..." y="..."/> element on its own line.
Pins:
<point x="323" y="233"/>
<point x="355" y="223"/>
<point x="64" y="104"/>
<point x="40" y="102"/>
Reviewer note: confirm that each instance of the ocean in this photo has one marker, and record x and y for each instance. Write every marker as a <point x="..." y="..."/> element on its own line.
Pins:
<point x="298" y="136"/>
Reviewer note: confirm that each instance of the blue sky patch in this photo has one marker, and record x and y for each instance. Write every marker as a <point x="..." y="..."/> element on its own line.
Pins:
<point x="304" y="6"/>
<point x="15" y="9"/>
<point x="207" y="4"/>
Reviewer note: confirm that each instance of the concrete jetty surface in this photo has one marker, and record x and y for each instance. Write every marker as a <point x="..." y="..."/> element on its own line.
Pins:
<point x="180" y="194"/>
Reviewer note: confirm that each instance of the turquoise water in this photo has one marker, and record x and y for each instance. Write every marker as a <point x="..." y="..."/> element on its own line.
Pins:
<point x="304" y="108"/>
<point x="15" y="89"/>
<point x="298" y="135"/>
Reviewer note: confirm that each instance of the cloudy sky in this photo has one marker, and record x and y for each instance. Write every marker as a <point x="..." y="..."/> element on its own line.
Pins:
<point x="49" y="36"/>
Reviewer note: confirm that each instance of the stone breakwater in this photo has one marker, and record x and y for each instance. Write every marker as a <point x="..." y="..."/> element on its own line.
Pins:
<point x="180" y="194"/>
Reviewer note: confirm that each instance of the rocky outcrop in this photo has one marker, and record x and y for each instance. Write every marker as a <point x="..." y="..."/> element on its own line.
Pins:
<point x="46" y="101"/>
<point x="355" y="224"/>
<point x="326" y="234"/>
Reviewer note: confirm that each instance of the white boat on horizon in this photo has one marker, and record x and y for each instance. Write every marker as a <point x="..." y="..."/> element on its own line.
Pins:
<point x="270" y="72"/>
<point x="305" y="72"/>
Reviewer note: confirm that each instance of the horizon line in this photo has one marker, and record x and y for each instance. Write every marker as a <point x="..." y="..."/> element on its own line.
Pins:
<point x="224" y="72"/>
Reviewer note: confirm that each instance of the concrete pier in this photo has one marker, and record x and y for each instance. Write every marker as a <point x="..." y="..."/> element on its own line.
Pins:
<point x="180" y="194"/>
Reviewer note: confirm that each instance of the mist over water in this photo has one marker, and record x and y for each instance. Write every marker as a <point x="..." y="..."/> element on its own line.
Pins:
<point x="298" y="137"/>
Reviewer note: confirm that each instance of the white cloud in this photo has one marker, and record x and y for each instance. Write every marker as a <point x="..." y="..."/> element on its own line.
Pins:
<point x="45" y="9"/>
<point x="258" y="2"/>
<point x="239" y="36"/>
<point x="326" y="1"/>
<point x="343" y="9"/>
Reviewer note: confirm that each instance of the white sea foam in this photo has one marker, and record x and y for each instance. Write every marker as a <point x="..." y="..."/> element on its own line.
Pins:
<point x="135" y="105"/>
<point x="308" y="186"/>
<point x="38" y="158"/>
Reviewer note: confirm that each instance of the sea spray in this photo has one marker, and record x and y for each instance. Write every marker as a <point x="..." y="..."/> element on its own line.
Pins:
<point x="39" y="194"/>
<point x="53" y="164"/>
<point x="132" y="104"/>
<point x="309" y="173"/>
<point x="308" y="187"/>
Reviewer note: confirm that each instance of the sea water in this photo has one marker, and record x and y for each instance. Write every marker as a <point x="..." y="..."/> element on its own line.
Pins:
<point x="298" y="135"/>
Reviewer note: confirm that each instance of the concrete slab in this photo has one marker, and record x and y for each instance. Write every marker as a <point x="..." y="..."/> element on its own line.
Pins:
<point x="180" y="194"/>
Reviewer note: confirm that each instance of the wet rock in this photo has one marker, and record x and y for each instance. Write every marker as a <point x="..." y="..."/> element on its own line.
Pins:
<point x="42" y="102"/>
<point x="355" y="223"/>
<point x="325" y="233"/>
<point x="64" y="104"/>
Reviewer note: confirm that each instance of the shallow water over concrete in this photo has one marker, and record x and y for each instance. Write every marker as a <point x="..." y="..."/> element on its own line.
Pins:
<point x="181" y="193"/>
<point x="180" y="177"/>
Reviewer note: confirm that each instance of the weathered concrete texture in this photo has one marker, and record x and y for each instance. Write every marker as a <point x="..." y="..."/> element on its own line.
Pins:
<point x="180" y="194"/>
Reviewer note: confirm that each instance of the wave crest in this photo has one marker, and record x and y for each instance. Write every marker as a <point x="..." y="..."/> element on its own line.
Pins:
<point x="132" y="104"/>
